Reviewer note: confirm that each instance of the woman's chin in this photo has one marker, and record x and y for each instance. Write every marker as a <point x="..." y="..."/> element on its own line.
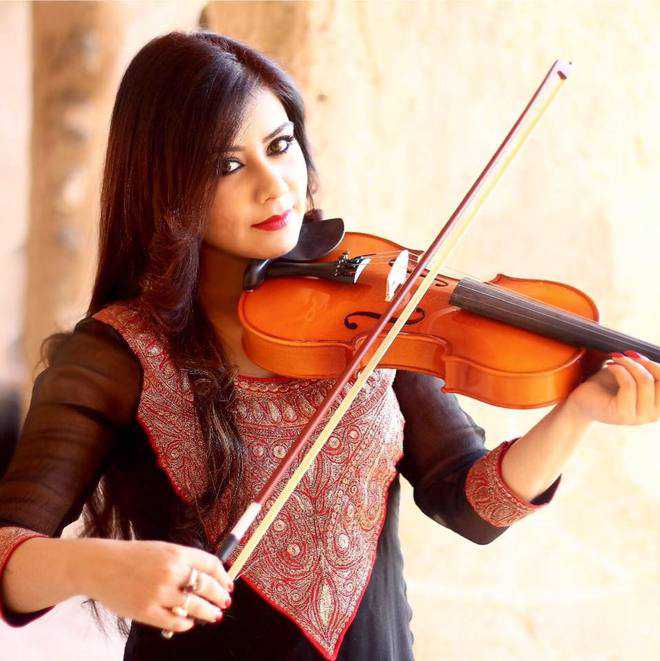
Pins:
<point x="280" y="243"/>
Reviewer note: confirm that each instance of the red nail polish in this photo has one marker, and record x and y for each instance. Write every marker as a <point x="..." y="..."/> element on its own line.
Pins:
<point x="633" y="354"/>
<point x="217" y="619"/>
<point x="616" y="355"/>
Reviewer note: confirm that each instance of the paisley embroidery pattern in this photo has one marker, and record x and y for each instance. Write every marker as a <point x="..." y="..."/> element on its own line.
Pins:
<point x="315" y="561"/>
<point x="488" y="493"/>
<point x="166" y="409"/>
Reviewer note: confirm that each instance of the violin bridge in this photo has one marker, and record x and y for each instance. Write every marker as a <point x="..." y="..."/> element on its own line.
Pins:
<point x="397" y="275"/>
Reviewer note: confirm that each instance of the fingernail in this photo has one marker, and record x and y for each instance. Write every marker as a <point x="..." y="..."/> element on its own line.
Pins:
<point x="616" y="355"/>
<point x="228" y="603"/>
<point x="217" y="619"/>
<point x="633" y="354"/>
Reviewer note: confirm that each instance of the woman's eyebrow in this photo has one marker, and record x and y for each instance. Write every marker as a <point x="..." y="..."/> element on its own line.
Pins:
<point x="268" y="137"/>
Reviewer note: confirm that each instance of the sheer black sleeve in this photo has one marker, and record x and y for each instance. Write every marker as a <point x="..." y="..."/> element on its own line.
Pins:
<point x="80" y="405"/>
<point x="456" y="480"/>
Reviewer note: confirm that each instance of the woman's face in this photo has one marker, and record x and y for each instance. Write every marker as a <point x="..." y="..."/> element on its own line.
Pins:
<point x="265" y="178"/>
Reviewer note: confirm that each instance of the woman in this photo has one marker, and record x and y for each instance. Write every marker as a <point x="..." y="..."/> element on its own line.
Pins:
<point x="151" y="420"/>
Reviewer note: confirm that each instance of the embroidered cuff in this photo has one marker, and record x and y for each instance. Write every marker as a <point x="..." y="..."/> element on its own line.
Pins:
<point x="11" y="537"/>
<point x="492" y="498"/>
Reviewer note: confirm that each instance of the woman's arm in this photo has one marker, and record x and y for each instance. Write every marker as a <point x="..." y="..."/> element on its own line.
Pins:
<point x="80" y="406"/>
<point x="53" y="565"/>
<point x="456" y="480"/>
<point x="626" y="392"/>
<point x="536" y="458"/>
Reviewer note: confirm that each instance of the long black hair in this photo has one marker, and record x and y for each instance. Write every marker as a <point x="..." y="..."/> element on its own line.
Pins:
<point x="158" y="186"/>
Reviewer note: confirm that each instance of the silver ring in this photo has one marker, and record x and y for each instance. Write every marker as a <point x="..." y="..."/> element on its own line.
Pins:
<point x="194" y="580"/>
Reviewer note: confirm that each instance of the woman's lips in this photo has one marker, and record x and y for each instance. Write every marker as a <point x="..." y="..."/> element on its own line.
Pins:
<point x="275" y="223"/>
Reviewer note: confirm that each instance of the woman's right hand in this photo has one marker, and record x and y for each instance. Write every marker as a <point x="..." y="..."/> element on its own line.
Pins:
<point x="143" y="580"/>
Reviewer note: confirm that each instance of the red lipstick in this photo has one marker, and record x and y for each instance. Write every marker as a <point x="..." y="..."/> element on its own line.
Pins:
<point x="274" y="222"/>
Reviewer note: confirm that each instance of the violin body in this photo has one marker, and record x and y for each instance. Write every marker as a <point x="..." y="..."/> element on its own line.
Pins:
<point x="309" y="327"/>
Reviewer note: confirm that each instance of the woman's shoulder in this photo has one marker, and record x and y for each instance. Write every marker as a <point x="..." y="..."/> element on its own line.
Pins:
<point x="98" y="341"/>
<point x="91" y="363"/>
<point x="96" y="330"/>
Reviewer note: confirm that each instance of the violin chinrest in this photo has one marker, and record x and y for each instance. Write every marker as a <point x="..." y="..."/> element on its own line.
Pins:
<point x="316" y="240"/>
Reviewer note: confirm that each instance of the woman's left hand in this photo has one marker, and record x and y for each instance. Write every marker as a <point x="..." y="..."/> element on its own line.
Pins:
<point x="626" y="392"/>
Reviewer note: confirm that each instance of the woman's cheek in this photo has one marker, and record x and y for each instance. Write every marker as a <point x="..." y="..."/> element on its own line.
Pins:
<point x="221" y="233"/>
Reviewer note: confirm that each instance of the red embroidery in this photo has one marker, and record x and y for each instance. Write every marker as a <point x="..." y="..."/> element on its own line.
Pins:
<point x="166" y="409"/>
<point x="315" y="561"/>
<point x="11" y="537"/>
<point x="490" y="496"/>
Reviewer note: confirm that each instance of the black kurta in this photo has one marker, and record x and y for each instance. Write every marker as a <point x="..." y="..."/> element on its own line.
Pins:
<point x="81" y="422"/>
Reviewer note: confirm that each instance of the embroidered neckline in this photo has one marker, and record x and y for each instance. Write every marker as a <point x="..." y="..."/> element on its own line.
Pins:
<point x="278" y="383"/>
<point x="248" y="377"/>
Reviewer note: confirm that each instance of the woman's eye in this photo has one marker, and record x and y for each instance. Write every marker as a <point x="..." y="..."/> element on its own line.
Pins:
<point x="288" y="139"/>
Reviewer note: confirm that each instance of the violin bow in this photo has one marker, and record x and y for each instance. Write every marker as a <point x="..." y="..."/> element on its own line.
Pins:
<point x="432" y="259"/>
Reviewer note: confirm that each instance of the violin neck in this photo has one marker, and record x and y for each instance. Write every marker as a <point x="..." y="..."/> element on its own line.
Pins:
<point x="523" y="312"/>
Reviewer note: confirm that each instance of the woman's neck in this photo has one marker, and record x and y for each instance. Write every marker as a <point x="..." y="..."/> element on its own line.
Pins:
<point x="220" y="287"/>
<point x="220" y="284"/>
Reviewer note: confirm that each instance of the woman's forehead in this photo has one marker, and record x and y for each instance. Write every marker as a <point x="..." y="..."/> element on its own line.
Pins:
<point x="263" y="114"/>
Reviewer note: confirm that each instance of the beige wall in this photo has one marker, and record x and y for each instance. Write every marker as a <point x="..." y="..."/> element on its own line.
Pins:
<point x="406" y="102"/>
<point x="15" y="122"/>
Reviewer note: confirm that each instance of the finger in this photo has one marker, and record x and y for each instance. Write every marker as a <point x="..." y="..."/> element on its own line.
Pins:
<point x="208" y="589"/>
<point x="626" y="398"/>
<point x="196" y="606"/>
<point x="169" y="621"/>
<point x="211" y="564"/>
<point x="645" y="389"/>
<point x="654" y="368"/>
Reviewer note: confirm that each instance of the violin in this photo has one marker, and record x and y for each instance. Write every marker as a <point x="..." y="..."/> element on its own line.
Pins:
<point x="510" y="342"/>
<point x="317" y="311"/>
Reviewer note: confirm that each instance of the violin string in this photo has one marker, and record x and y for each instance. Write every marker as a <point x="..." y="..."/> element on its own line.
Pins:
<point x="385" y="257"/>
<point x="569" y="319"/>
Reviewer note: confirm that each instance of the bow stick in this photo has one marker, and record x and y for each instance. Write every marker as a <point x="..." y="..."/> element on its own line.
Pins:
<point x="433" y="259"/>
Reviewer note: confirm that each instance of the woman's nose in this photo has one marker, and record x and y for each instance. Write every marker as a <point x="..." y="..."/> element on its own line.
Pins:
<point x="272" y="184"/>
